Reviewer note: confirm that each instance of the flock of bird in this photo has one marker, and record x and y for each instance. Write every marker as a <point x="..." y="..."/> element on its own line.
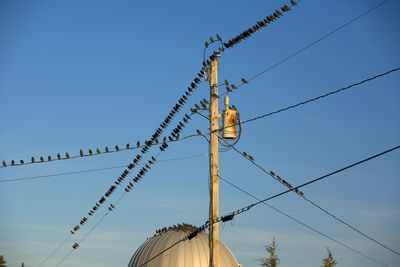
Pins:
<point x="179" y="227"/>
<point x="174" y="134"/>
<point x="272" y="174"/>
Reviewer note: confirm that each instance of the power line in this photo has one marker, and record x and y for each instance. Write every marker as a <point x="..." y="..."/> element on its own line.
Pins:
<point x="322" y="96"/>
<point x="298" y="192"/>
<point x="94" y="170"/>
<point x="302" y="223"/>
<point x="314" y="42"/>
<point x="247" y="208"/>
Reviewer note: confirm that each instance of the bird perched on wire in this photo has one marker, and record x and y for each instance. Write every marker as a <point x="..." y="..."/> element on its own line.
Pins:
<point x="293" y="2"/>
<point x="4" y="163"/>
<point x="81" y="153"/>
<point x="219" y="38"/>
<point x="127" y="146"/>
<point x="58" y="156"/>
<point x="206" y="44"/>
<point x="106" y="148"/>
<point x="98" y="151"/>
<point x="198" y="132"/>
<point x="117" y="148"/>
<point x="233" y="86"/>
<point x="33" y="160"/>
<point x="251" y="158"/>
<point x="49" y="158"/>
<point x="12" y="162"/>
<point x="138" y="144"/>
<point x="228" y="89"/>
<point x="67" y="155"/>
<point x="212" y="40"/>
<point x="90" y="152"/>
<point x="244" y="80"/>
<point x="41" y="158"/>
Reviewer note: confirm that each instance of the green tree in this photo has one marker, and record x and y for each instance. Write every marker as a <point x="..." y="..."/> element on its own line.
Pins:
<point x="273" y="259"/>
<point x="2" y="261"/>
<point x="329" y="261"/>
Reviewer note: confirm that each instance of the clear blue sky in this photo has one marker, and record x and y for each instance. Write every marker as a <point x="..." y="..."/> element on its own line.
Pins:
<point x="86" y="74"/>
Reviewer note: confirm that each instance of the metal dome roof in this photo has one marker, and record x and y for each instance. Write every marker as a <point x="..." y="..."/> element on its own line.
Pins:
<point x="189" y="253"/>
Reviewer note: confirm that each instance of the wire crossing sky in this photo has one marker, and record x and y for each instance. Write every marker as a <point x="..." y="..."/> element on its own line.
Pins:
<point x="88" y="75"/>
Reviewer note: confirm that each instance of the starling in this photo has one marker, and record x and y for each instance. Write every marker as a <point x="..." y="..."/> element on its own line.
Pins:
<point x="33" y="160"/>
<point x="81" y="152"/>
<point x="272" y="173"/>
<point x="49" y="158"/>
<point x="228" y="89"/>
<point x="72" y="232"/>
<point x="138" y="144"/>
<point x="98" y="151"/>
<point x="58" y="156"/>
<point x="206" y="44"/>
<point x="67" y="155"/>
<point x="251" y="158"/>
<point x="219" y="38"/>
<point x="12" y="162"/>
<point x="41" y="159"/>
<point x="127" y="146"/>
<point x="4" y="164"/>
<point x="293" y="2"/>
<point x="233" y="86"/>
<point x="106" y="148"/>
<point x="244" y="80"/>
<point x="226" y="82"/>
<point x="116" y="148"/>
<point x="212" y="40"/>
<point x="197" y="106"/>
<point x="90" y="152"/>
<point x="198" y="132"/>
<point x="245" y="154"/>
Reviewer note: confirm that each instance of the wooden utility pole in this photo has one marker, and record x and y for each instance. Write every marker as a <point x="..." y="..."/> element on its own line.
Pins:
<point x="214" y="174"/>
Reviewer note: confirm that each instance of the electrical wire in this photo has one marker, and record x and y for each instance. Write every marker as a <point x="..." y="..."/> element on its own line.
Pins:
<point x="322" y="96"/>
<point x="94" y="170"/>
<point x="247" y="208"/>
<point x="314" y="42"/>
<point x="299" y="193"/>
<point x="302" y="223"/>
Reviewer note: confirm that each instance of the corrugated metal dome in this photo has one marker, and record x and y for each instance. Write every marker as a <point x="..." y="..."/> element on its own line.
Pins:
<point x="189" y="253"/>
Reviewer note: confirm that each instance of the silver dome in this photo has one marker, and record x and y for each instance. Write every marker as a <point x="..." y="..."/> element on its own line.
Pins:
<point x="190" y="253"/>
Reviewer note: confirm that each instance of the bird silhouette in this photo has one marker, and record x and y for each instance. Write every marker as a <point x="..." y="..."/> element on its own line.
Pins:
<point x="98" y="151"/>
<point x="245" y="154"/>
<point x="58" y="156"/>
<point x="233" y="86"/>
<point x="12" y="162"/>
<point x="212" y="40"/>
<point x="244" y="80"/>
<point x="272" y="173"/>
<point x="293" y="2"/>
<point x="251" y="158"/>
<point x="106" y="148"/>
<point x="81" y="153"/>
<point x="41" y="158"/>
<point x="228" y="89"/>
<point x="138" y="144"/>
<point x="127" y="146"/>
<point x="90" y="152"/>
<point x="49" y="158"/>
<point x="4" y="164"/>
<point x="219" y="38"/>
<point x="33" y="160"/>
<point x="67" y="155"/>
<point x="198" y="132"/>
<point x="206" y="44"/>
<point x="117" y="148"/>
